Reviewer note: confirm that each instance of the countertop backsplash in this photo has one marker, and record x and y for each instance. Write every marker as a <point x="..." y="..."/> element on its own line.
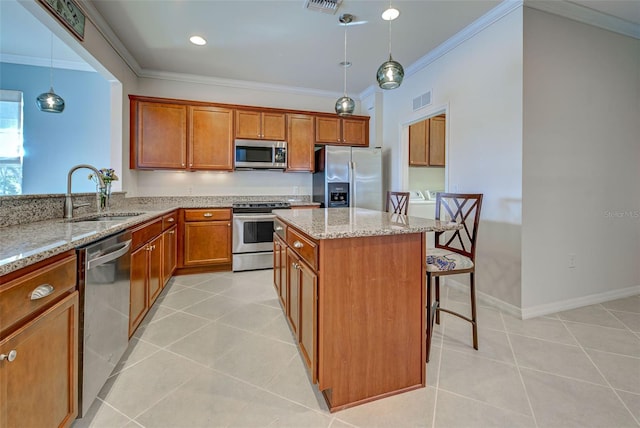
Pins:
<point x="24" y="209"/>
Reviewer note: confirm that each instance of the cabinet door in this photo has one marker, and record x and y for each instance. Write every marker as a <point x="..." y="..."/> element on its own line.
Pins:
<point x="207" y="243"/>
<point x="328" y="130"/>
<point x="354" y="132"/>
<point x="300" y="147"/>
<point x="293" y="283"/>
<point x="248" y="124"/>
<point x="280" y="269"/>
<point x="39" y="388"/>
<point x="160" y="136"/>
<point x="211" y="138"/>
<point x="437" y="127"/>
<point x="274" y="126"/>
<point x="154" y="283"/>
<point x="418" y="143"/>
<point x="169" y="253"/>
<point x="138" y="294"/>
<point x="308" y="317"/>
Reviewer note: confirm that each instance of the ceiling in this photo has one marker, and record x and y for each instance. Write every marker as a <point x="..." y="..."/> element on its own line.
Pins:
<point x="268" y="42"/>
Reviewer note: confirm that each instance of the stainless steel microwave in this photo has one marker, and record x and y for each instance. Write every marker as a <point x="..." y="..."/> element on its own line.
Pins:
<point x="260" y="154"/>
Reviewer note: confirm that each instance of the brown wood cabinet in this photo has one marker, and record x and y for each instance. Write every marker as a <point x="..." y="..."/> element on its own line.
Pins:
<point x="169" y="253"/>
<point x="146" y="271"/>
<point x="260" y="125"/>
<point x="177" y="135"/>
<point x="356" y="308"/>
<point x="427" y="142"/>
<point x="210" y="138"/>
<point x="353" y="131"/>
<point x="279" y="269"/>
<point x="39" y="345"/>
<point x="207" y="237"/>
<point x="301" y="142"/>
<point x="158" y="135"/>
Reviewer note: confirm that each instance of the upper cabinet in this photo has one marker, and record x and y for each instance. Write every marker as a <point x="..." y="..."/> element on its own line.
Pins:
<point x="352" y="131"/>
<point x="427" y="142"/>
<point x="166" y="135"/>
<point x="260" y="125"/>
<point x="300" y="147"/>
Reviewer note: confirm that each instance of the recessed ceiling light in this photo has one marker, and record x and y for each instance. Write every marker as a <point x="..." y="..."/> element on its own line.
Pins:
<point x="197" y="40"/>
<point x="390" y="14"/>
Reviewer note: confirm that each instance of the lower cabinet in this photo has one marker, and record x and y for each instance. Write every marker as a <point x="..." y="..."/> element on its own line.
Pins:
<point x="39" y="369"/>
<point x="169" y="253"/>
<point x="280" y="269"/>
<point x="146" y="271"/>
<point x="207" y="238"/>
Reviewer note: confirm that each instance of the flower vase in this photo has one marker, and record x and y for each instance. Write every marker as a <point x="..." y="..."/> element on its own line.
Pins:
<point x="104" y="194"/>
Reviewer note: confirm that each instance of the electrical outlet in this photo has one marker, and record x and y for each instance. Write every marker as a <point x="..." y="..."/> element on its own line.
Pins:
<point x="571" y="260"/>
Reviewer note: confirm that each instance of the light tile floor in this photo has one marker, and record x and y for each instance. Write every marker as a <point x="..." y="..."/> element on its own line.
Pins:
<point x="216" y="351"/>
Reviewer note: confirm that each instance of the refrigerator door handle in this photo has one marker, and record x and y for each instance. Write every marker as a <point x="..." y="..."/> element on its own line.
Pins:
<point x="352" y="185"/>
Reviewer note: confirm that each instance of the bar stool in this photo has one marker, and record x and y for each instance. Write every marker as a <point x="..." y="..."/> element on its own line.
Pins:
<point x="398" y="202"/>
<point x="454" y="253"/>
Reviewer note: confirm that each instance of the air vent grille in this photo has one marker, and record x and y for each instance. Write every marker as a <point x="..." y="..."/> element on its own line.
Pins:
<point x="326" y="6"/>
<point x="422" y="101"/>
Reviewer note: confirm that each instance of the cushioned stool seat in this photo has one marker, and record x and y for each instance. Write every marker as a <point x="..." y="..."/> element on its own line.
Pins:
<point x="439" y="259"/>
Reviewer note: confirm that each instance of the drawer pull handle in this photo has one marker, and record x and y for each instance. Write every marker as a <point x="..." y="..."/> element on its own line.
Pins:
<point x="207" y="215"/>
<point x="278" y="228"/>
<point x="171" y="220"/>
<point x="171" y="232"/>
<point x="10" y="356"/>
<point x="41" y="291"/>
<point x="298" y="244"/>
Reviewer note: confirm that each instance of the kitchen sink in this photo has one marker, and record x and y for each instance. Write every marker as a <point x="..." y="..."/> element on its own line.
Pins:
<point x="107" y="217"/>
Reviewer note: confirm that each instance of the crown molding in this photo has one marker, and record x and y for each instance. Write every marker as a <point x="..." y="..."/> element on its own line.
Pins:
<point x="231" y="83"/>
<point x="43" y="62"/>
<point x="585" y="15"/>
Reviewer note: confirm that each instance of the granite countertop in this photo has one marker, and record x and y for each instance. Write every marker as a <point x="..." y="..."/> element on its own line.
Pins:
<point x="24" y="244"/>
<point x="335" y="223"/>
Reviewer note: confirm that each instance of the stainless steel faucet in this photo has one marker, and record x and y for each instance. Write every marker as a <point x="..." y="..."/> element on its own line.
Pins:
<point x="68" y="202"/>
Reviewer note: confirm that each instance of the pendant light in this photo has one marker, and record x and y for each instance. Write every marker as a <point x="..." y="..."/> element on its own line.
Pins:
<point x="390" y="73"/>
<point x="345" y="105"/>
<point x="50" y="102"/>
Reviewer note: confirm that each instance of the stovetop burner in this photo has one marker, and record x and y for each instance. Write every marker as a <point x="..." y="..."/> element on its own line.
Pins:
<point x="259" y="207"/>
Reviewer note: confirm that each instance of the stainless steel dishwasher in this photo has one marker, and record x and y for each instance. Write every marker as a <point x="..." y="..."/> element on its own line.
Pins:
<point x="104" y="272"/>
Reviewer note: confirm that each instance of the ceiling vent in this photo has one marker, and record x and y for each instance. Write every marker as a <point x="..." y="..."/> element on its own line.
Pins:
<point x="422" y="101"/>
<point x="326" y="6"/>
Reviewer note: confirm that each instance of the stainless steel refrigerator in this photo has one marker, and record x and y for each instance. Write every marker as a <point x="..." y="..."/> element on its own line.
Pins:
<point x="348" y="177"/>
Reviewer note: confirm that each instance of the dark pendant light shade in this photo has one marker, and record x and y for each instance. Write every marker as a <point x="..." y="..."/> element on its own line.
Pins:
<point x="390" y="74"/>
<point x="345" y="106"/>
<point x="50" y="102"/>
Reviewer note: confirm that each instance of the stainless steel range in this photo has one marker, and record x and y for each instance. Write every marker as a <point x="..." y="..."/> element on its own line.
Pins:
<point x="253" y="234"/>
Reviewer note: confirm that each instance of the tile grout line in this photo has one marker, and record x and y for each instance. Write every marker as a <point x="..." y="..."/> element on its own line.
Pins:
<point x="515" y="359"/>
<point x="600" y="372"/>
<point x="437" y="385"/>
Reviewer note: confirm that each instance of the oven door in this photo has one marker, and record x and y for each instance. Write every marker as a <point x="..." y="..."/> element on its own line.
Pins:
<point x="252" y="233"/>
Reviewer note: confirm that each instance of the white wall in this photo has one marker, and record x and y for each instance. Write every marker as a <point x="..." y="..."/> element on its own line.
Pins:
<point x="581" y="173"/>
<point x="481" y="83"/>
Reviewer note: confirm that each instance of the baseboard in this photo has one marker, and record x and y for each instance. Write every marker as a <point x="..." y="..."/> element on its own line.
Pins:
<point x="486" y="298"/>
<point x="548" y="308"/>
<point x="592" y="299"/>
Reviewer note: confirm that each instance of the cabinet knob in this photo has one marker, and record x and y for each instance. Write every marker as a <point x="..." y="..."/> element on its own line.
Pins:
<point x="171" y="220"/>
<point x="41" y="291"/>
<point x="298" y="244"/>
<point x="207" y="215"/>
<point x="295" y="265"/>
<point x="183" y="164"/>
<point x="171" y="232"/>
<point x="10" y="356"/>
<point x="278" y="228"/>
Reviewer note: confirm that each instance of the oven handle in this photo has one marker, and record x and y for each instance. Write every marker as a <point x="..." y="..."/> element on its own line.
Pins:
<point x="254" y="217"/>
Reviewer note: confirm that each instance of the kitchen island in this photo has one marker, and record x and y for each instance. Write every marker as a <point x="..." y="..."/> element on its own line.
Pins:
<point x="352" y="284"/>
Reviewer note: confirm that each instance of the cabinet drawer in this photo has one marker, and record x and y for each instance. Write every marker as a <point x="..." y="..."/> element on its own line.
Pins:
<point x="169" y="220"/>
<point x="280" y="229"/>
<point x="146" y="232"/>
<point x="16" y="301"/>
<point x="306" y="248"/>
<point x="207" y="214"/>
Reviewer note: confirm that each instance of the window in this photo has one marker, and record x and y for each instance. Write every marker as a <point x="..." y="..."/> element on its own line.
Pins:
<point x="11" y="151"/>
